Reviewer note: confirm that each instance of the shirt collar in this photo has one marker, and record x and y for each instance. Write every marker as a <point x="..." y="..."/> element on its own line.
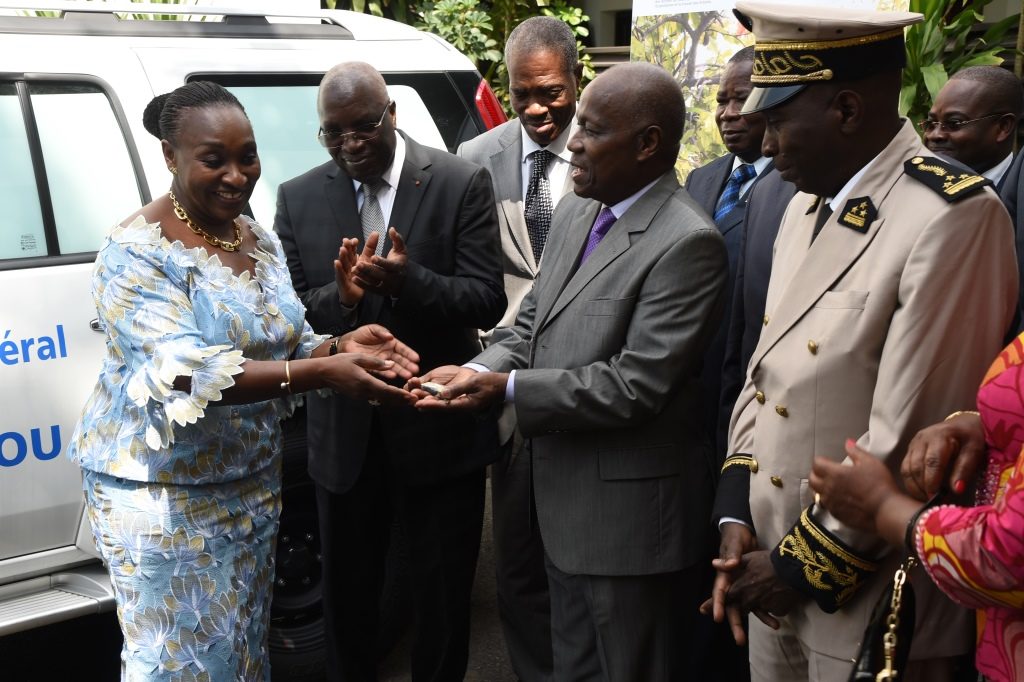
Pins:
<point x="623" y="206"/>
<point x="759" y="165"/>
<point x="557" y="146"/>
<point x="996" y="172"/>
<point x="840" y="197"/>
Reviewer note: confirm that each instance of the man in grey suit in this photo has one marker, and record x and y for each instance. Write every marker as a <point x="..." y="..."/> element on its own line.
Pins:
<point x="431" y="271"/>
<point x="529" y="166"/>
<point x="602" y="369"/>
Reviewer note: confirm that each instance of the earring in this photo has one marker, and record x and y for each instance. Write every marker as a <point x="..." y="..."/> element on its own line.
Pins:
<point x="174" y="170"/>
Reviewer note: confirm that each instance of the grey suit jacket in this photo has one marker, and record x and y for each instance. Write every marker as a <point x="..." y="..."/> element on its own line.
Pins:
<point x="608" y="388"/>
<point x="444" y="210"/>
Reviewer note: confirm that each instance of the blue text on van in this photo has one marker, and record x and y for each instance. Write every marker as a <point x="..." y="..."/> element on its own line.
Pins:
<point x="13" y="351"/>
<point x="14" y="446"/>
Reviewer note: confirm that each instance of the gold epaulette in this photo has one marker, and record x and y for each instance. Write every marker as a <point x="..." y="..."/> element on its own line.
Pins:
<point x="950" y="182"/>
<point x="818" y="564"/>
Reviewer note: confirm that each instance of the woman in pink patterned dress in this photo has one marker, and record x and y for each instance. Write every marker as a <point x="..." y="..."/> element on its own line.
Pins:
<point x="975" y="554"/>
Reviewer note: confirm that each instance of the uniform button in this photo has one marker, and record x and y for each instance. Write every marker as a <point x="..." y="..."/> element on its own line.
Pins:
<point x="765" y="320"/>
<point x="776" y="481"/>
<point x="781" y="411"/>
<point x="812" y="346"/>
<point x="753" y="466"/>
<point x="759" y="397"/>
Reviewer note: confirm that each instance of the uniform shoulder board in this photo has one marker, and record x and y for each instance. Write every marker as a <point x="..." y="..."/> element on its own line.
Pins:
<point x="951" y="182"/>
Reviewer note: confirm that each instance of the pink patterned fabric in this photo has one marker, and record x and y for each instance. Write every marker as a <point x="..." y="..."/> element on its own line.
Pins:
<point x="976" y="555"/>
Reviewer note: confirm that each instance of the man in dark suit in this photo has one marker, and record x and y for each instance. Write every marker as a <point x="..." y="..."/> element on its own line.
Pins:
<point x="602" y="368"/>
<point x="529" y="165"/>
<point x="722" y="188"/>
<point x="434" y="278"/>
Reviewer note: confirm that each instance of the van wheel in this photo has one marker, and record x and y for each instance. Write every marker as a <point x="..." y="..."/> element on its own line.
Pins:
<point x="296" y="638"/>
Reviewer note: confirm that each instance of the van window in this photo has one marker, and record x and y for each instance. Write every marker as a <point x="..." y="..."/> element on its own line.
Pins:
<point x="90" y="173"/>
<point x="21" y="233"/>
<point x="66" y="172"/>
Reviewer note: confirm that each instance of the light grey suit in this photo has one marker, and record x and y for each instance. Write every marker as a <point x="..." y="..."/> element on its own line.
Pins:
<point x="500" y="151"/>
<point x="608" y="359"/>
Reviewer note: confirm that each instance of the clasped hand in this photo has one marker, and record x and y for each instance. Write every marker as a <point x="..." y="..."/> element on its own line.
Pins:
<point x="745" y="581"/>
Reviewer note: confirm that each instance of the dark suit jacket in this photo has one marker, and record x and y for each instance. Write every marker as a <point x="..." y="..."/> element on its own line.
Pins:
<point x="766" y="204"/>
<point x="705" y="185"/>
<point x="1012" y="194"/>
<point x="608" y="357"/>
<point x="444" y="209"/>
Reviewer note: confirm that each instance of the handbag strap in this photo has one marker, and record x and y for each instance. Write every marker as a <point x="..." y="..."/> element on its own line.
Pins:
<point x="889" y="639"/>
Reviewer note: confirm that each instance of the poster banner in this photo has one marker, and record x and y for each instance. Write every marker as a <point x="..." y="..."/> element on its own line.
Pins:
<point x="693" y="40"/>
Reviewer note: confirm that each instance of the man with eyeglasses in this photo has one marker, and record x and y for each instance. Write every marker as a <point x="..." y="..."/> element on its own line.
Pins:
<point x="395" y="233"/>
<point x="974" y="120"/>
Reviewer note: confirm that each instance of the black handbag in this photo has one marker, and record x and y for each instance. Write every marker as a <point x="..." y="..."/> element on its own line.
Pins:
<point x="886" y="643"/>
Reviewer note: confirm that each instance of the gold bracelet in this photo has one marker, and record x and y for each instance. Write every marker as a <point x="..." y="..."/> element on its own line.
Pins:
<point x="286" y="385"/>
<point x="960" y="412"/>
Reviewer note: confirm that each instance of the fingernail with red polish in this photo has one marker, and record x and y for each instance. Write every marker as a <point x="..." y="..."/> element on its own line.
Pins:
<point x="850" y="442"/>
<point x="959" y="486"/>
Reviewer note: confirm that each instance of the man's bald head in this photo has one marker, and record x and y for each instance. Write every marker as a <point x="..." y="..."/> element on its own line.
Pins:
<point x="351" y="79"/>
<point x="630" y="125"/>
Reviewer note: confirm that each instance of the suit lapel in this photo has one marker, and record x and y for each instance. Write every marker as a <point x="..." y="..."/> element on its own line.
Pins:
<point x="412" y="186"/>
<point x="734" y="218"/>
<point x="507" y="176"/>
<point x="814" y="269"/>
<point x="341" y="198"/>
<point x="618" y="240"/>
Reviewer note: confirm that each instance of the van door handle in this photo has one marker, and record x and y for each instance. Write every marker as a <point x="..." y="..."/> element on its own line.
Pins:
<point x="96" y="325"/>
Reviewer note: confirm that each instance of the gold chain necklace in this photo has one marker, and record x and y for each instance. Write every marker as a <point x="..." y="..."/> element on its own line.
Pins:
<point x="179" y="211"/>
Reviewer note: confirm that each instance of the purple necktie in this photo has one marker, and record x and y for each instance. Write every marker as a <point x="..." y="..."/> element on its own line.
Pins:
<point x="604" y="222"/>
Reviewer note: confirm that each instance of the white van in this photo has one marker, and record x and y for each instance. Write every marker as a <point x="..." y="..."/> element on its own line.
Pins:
<point x="76" y="159"/>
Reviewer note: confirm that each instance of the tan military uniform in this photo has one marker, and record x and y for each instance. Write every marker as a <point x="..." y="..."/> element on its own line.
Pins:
<point x="883" y="325"/>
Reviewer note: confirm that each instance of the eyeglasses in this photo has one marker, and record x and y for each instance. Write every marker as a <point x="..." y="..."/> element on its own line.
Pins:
<point x="929" y="124"/>
<point x="332" y="139"/>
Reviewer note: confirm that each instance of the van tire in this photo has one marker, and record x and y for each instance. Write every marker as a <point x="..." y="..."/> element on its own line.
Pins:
<point x="296" y="640"/>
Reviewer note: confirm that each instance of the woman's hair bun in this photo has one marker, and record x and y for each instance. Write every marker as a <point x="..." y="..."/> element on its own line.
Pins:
<point x="151" y="116"/>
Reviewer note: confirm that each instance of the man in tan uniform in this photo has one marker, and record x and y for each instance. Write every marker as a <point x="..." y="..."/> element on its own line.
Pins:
<point x="893" y="283"/>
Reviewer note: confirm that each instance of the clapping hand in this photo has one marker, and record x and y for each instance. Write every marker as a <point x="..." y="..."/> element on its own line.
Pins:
<point x="380" y="274"/>
<point x="349" y="291"/>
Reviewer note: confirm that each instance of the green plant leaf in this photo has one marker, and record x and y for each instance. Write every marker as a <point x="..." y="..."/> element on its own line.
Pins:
<point x="907" y="95"/>
<point x="934" y="76"/>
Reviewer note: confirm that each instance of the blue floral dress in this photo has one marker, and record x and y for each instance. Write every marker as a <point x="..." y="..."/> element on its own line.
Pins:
<point x="183" y="495"/>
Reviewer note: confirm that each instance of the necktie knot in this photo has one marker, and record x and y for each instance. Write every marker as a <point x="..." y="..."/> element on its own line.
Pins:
<point x="731" y="194"/>
<point x="371" y="188"/>
<point x="604" y="222"/>
<point x="541" y="159"/>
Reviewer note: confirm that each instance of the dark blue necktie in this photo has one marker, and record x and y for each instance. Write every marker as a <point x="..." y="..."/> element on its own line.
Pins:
<point x="731" y="194"/>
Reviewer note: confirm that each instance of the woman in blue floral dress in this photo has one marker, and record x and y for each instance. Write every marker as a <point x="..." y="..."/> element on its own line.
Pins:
<point x="179" y="443"/>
